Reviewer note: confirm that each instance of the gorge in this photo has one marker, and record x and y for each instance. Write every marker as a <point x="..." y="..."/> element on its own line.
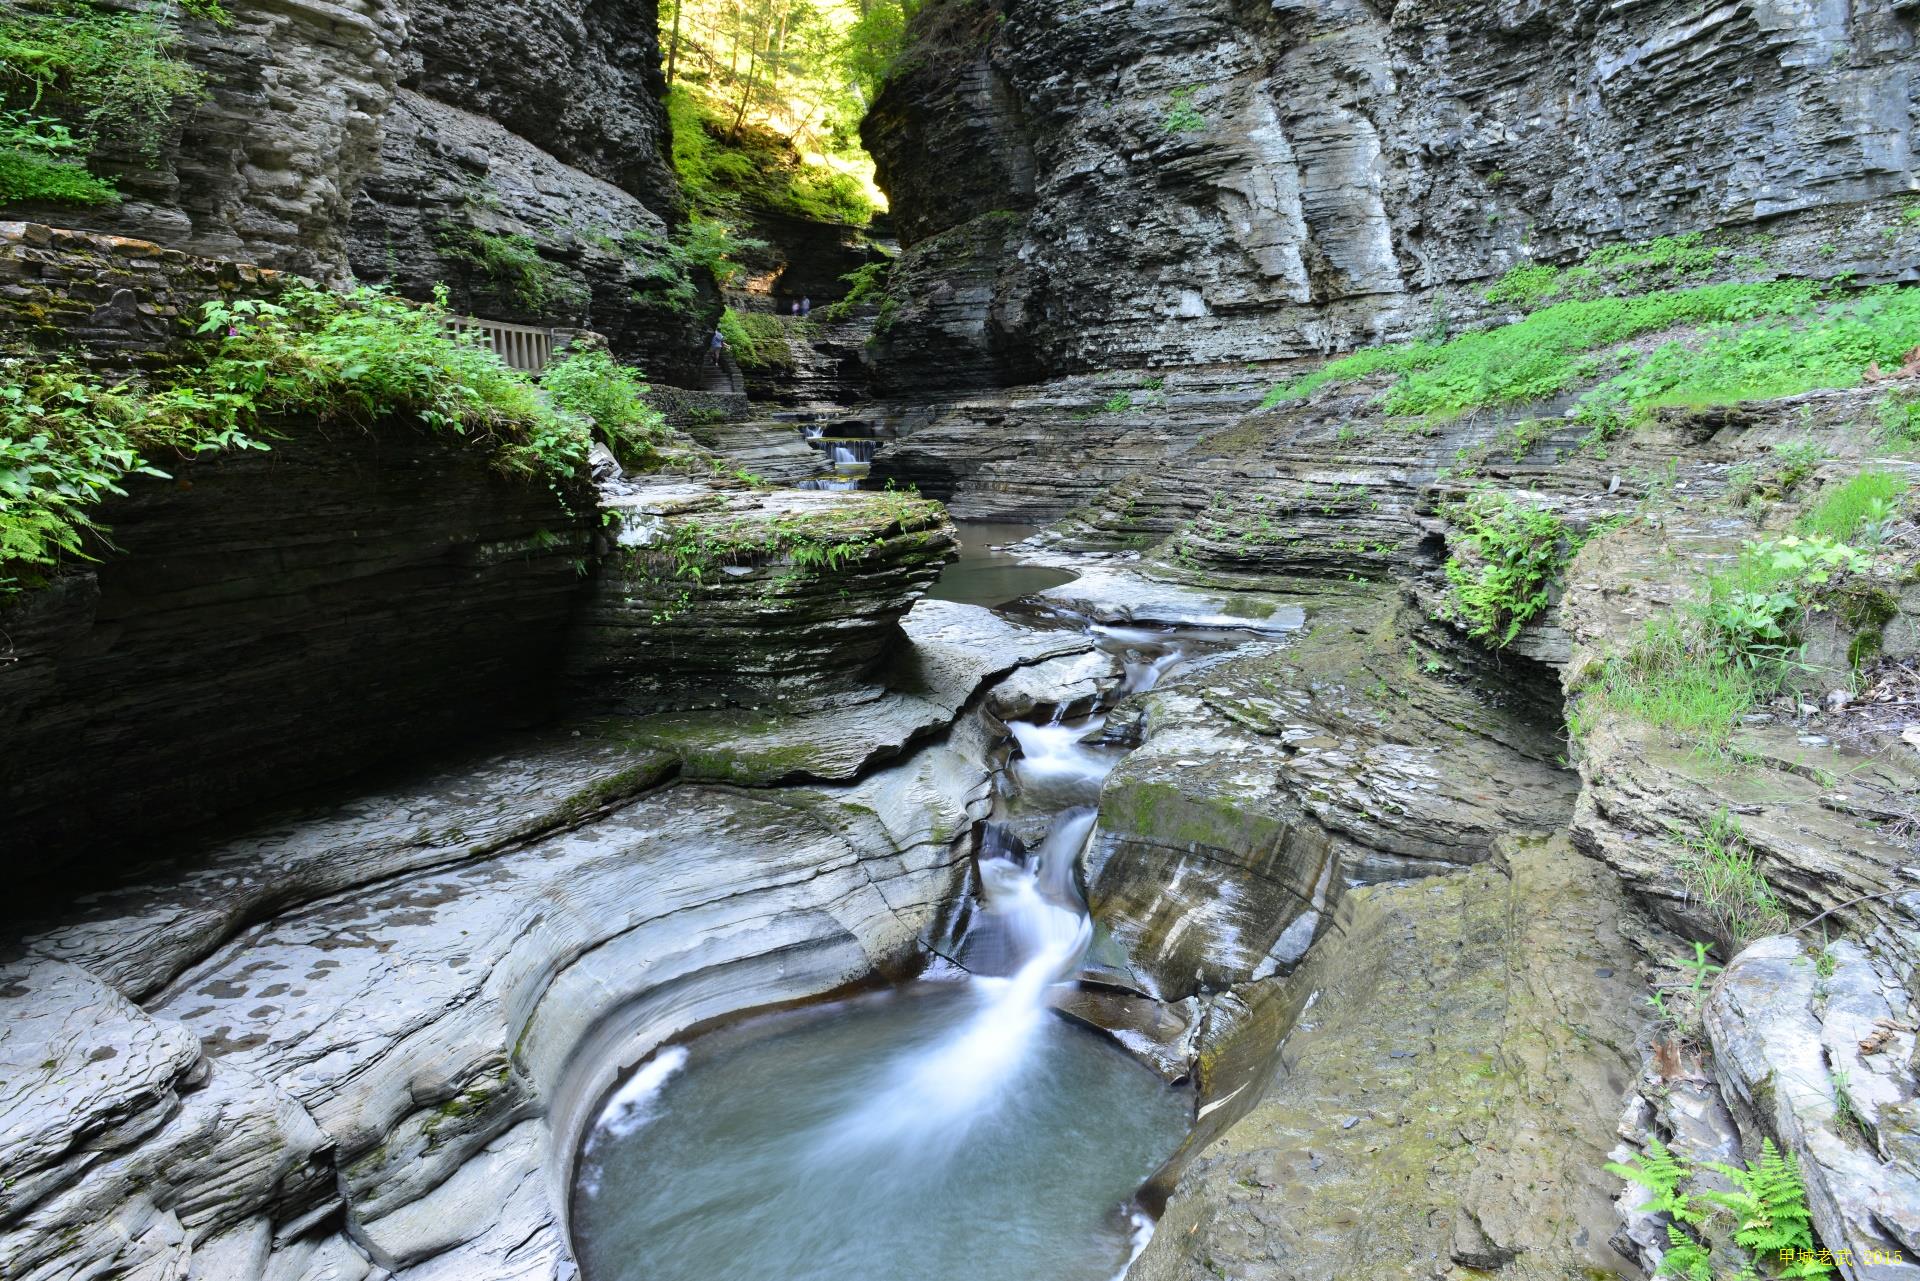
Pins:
<point x="1151" y="639"/>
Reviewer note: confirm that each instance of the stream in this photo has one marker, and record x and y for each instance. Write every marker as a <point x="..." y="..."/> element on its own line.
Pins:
<point x="950" y="1128"/>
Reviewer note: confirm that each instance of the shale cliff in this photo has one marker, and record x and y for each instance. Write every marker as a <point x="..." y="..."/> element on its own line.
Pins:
<point x="516" y="154"/>
<point x="1117" y="185"/>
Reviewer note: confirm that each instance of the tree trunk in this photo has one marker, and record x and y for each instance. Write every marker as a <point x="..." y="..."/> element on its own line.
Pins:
<point x="673" y="45"/>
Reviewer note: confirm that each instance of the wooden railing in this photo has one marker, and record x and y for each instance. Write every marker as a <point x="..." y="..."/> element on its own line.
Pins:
<point x="527" y="347"/>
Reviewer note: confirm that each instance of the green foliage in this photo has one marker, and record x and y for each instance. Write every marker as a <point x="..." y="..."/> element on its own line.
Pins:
<point x="39" y="161"/>
<point x="1666" y="262"/>
<point x="512" y="263"/>
<point x="1781" y="353"/>
<point x="1685" y="1257"/>
<point x="1861" y="506"/>
<point x="1900" y="420"/>
<point x="1770" y="1211"/>
<point x="590" y="384"/>
<point x="1720" y="870"/>
<point x="1761" y="340"/>
<point x="67" y="440"/>
<point x="74" y="79"/>
<point x="758" y="340"/>
<point x="1798" y="460"/>
<point x="1696" y="671"/>
<point x="1672" y="678"/>
<point x="1768" y="1207"/>
<point x="1526" y="286"/>
<point x="723" y="170"/>
<point x="367" y="355"/>
<point x="1661" y="1172"/>
<point x="1515" y="553"/>
<point x="1182" y="116"/>
<point x="864" y="284"/>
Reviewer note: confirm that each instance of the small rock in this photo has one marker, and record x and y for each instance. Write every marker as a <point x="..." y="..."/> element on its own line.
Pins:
<point x="1348" y="1122"/>
<point x="1837" y="699"/>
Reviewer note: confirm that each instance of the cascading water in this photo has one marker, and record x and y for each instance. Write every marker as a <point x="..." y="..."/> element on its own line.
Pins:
<point x="941" y="1131"/>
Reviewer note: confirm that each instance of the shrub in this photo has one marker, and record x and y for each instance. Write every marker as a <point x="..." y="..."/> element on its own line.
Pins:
<point x="592" y="385"/>
<point x="1516" y="552"/>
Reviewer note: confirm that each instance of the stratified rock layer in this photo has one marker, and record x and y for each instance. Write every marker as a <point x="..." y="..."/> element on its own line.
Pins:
<point x="716" y="597"/>
<point x="1115" y="185"/>
<point x="271" y="620"/>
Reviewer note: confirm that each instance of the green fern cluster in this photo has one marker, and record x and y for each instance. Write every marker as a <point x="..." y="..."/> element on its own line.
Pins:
<point x="1517" y="553"/>
<point x="1769" y="1209"/>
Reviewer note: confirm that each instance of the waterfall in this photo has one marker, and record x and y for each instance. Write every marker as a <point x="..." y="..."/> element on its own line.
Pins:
<point x="934" y="1095"/>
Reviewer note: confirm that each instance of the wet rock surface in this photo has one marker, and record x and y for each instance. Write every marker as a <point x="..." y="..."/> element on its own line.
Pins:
<point x="1271" y="780"/>
<point x="1444" y="1102"/>
<point x="371" y="1033"/>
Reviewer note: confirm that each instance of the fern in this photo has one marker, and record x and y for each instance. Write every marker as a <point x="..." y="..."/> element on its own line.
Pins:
<point x="1661" y="1172"/>
<point x="1771" y="1209"/>
<point x="1685" y="1258"/>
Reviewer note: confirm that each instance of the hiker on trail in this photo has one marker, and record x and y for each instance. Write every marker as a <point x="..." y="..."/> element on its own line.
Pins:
<point x="806" y="306"/>
<point x="715" y="347"/>
<point x="796" y="306"/>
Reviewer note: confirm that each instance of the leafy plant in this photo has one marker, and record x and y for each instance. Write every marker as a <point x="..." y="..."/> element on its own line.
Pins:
<point x="864" y="284"/>
<point x="40" y="161"/>
<point x="1515" y="553"/>
<point x="1685" y="1258"/>
<point x="591" y="384"/>
<point x="111" y="75"/>
<point x="1182" y="116"/>
<point x="1769" y="1207"/>
<point x="1661" y="1172"/>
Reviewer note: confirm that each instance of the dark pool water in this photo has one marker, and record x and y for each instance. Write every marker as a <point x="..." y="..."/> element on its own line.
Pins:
<point x="901" y="1136"/>
<point x="983" y="576"/>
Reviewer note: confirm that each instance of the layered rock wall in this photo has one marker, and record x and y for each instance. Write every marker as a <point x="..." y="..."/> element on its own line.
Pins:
<point x="271" y="620"/>
<point x="1114" y="185"/>
<point x="380" y="137"/>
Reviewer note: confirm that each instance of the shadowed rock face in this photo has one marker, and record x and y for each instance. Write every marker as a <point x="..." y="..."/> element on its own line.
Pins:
<point x="1112" y="185"/>
<point x="273" y="620"/>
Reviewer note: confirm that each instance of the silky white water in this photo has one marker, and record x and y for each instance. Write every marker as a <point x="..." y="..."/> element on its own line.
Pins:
<point x="940" y="1132"/>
